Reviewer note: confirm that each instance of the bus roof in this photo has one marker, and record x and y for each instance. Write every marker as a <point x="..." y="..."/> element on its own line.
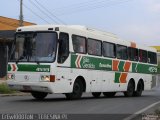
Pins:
<point x="85" y="30"/>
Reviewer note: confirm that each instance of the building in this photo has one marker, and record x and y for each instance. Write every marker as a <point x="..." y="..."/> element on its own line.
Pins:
<point x="11" y="24"/>
<point x="8" y="27"/>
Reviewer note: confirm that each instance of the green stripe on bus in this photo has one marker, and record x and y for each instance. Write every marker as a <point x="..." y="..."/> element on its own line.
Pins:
<point x="134" y="67"/>
<point x="117" y="76"/>
<point x="91" y="63"/>
<point x="86" y="62"/>
<point x="29" y="68"/>
<point x="121" y="66"/>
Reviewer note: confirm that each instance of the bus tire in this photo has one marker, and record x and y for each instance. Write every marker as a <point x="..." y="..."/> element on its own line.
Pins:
<point x="109" y="94"/>
<point x="96" y="94"/>
<point x="39" y="95"/>
<point x="130" y="89"/>
<point x="77" y="90"/>
<point x="139" y="90"/>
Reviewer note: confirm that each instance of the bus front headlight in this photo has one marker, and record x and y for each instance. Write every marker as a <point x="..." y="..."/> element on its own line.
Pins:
<point x="11" y="77"/>
<point x="47" y="78"/>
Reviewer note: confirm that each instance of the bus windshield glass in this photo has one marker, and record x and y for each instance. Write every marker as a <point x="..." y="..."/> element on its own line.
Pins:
<point x="35" y="47"/>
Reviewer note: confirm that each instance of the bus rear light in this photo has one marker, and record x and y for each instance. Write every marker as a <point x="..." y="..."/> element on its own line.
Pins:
<point x="52" y="78"/>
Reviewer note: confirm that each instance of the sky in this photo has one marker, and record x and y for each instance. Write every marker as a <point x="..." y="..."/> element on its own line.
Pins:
<point x="132" y="20"/>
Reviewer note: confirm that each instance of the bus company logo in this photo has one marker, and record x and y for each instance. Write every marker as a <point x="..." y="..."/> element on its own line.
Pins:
<point x="87" y="64"/>
<point x="108" y="66"/>
<point x="152" y="69"/>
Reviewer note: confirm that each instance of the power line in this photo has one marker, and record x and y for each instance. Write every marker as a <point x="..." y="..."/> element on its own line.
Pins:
<point x="93" y="6"/>
<point x="50" y="12"/>
<point x="80" y="6"/>
<point x="35" y="13"/>
<point x="42" y="11"/>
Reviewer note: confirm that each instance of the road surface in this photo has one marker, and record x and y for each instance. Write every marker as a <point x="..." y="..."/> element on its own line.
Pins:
<point x="117" y="107"/>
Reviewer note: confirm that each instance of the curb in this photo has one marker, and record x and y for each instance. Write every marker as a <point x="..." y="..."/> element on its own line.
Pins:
<point x="2" y="81"/>
<point x="15" y="94"/>
<point x="12" y="94"/>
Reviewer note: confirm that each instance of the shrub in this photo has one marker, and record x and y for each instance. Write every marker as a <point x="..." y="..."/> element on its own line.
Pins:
<point x="4" y="89"/>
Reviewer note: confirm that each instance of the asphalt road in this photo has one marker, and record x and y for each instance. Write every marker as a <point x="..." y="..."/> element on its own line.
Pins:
<point x="118" y="107"/>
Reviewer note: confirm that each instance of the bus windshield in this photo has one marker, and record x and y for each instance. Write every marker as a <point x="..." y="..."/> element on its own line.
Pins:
<point x="35" y="47"/>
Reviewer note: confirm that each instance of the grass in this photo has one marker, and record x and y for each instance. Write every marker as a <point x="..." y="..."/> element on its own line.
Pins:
<point x="4" y="89"/>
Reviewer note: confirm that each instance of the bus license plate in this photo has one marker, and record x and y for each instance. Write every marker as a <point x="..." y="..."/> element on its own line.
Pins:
<point x="27" y="88"/>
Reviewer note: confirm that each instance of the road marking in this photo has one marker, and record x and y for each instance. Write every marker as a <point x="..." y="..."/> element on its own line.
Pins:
<point x="141" y="111"/>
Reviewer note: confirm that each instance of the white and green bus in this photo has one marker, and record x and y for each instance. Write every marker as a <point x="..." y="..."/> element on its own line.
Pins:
<point x="72" y="59"/>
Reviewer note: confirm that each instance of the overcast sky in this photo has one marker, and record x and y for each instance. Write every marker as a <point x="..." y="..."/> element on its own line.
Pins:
<point x="133" y="20"/>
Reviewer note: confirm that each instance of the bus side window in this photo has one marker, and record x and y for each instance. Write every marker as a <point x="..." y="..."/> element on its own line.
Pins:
<point x="63" y="51"/>
<point x="122" y="52"/>
<point x="133" y="54"/>
<point x="152" y="57"/>
<point x="94" y="47"/>
<point x="143" y="56"/>
<point x="79" y="44"/>
<point x="109" y="50"/>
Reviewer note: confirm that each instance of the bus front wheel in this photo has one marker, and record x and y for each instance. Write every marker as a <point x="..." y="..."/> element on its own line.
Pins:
<point x="39" y="95"/>
<point x="77" y="90"/>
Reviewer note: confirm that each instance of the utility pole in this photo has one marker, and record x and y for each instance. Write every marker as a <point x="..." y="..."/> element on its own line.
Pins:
<point x="21" y="13"/>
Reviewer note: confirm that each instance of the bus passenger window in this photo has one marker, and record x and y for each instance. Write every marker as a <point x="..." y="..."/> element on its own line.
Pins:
<point x="109" y="50"/>
<point x="79" y="44"/>
<point x="143" y="56"/>
<point x="94" y="47"/>
<point x="63" y="51"/>
<point x="152" y="58"/>
<point x="122" y="52"/>
<point x="133" y="54"/>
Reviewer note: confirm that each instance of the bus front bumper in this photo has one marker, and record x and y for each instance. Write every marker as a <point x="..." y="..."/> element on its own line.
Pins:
<point x="31" y="86"/>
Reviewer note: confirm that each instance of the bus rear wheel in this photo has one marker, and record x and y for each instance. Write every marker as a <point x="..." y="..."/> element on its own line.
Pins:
<point x="77" y="91"/>
<point x="39" y="95"/>
<point x="109" y="94"/>
<point x="96" y="94"/>
<point x="130" y="89"/>
<point x="139" y="90"/>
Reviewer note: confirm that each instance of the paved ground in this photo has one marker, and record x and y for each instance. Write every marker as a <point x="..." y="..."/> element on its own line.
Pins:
<point x="2" y="81"/>
<point x="118" y="107"/>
